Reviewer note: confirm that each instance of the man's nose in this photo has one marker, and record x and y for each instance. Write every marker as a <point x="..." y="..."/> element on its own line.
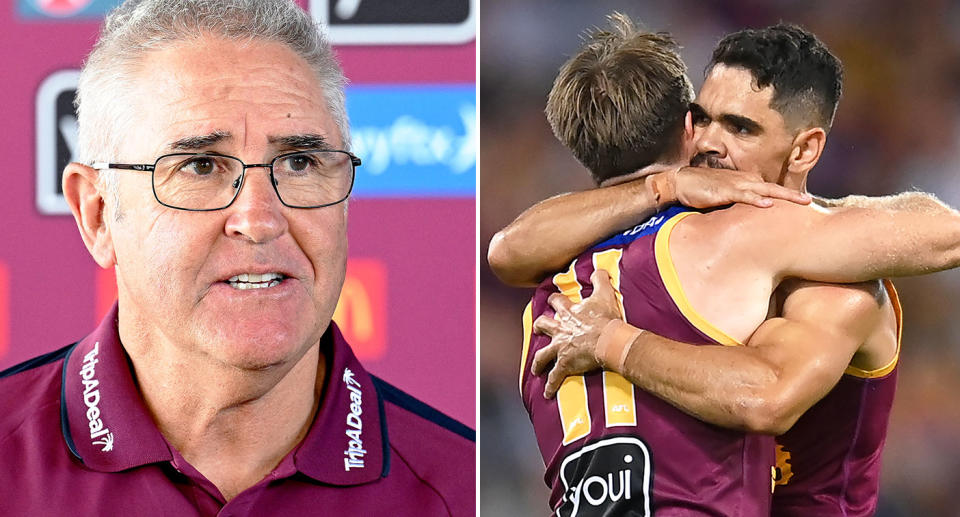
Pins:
<point x="257" y="213"/>
<point x="709" y="140"/>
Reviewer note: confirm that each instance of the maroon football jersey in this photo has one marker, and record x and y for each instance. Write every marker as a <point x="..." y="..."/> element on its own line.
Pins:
<point x="614" y="450"/>
<point x="828" y="463"/>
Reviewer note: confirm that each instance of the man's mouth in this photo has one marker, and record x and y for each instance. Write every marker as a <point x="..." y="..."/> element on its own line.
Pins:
<point x="255" y="280"/>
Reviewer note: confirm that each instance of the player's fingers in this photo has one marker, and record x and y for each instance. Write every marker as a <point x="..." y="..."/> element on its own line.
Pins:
<point x="772" y="190"/>
<point x="546" y="325"/>
<point x="751" y="198"/>
<point x="543" y="358"/>
<point x="559" y="302"/>
<point x="602" y="286"/>
<point x="554" y="381"/>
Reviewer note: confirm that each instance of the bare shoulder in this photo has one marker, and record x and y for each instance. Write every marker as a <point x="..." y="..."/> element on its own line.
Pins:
<point x="861" y="305"/>
<point x="745" y="226"/>
<point x="864" y="312"/>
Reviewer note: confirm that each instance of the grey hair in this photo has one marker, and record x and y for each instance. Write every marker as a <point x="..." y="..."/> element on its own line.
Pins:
<point x="140" y="26"/>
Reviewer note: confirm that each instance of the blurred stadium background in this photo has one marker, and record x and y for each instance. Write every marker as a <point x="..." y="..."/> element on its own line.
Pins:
<point x="412" y="105"/>
<point x="897" y="128"/>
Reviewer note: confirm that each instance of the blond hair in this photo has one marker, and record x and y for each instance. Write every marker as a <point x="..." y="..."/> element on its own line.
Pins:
<point x="619" y="103"/>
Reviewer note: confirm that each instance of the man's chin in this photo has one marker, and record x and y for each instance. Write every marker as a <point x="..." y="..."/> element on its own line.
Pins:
<point x="260" y="348"/>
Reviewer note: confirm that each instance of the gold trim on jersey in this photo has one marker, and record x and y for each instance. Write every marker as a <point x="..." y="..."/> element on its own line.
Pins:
<point x="572" y="396"/>
<point x="609" y="261"/>
<point x="567" y="283"/>
<point x="668" y="273"/>
<point x="619" y="402"/>
<point x="574" y="408"/>
<point x="527" y="335"/>
<point x="884" y="370"/>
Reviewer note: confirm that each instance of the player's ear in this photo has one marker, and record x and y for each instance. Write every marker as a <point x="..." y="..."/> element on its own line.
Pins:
<point x="83" y="193"/>
<point x="807" y="148"/>
<point x="688" y="126"/>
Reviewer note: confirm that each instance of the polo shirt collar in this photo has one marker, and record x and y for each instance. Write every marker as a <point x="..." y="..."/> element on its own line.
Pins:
<point x="347" y="443"/>
<point x="103" y="418"/>
<point x="108" y="428"/>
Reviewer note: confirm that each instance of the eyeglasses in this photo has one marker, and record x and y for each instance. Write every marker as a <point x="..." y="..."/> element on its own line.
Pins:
<point x="206" y="181"/>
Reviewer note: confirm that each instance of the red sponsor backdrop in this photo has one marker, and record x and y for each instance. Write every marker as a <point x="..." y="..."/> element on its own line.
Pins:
<point x="409" y="299"/>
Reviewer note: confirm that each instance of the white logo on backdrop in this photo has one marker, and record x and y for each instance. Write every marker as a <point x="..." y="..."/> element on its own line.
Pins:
<point x="345" y="30"/>
<point x="410" y="140"/>
<point x="50" y="124"/>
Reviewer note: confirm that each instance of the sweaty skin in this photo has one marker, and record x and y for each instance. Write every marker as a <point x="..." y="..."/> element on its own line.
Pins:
<point x="739" y="252"/>
<point x="787" y="365"/>
<point x="546" y="236"/>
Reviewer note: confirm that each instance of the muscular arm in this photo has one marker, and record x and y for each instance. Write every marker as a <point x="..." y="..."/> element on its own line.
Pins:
<point x="857" y="239"/>
<point x="788" y="364"/>
<point x="546" y="236"/>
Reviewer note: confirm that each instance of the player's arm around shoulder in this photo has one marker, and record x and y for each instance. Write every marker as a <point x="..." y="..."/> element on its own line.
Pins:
<point x="821" y="328"/>
<point x="849" y="240"/>
<point x="548" y="235"/>
<point x="787" y="365"/>
<point x="762" y="240"/>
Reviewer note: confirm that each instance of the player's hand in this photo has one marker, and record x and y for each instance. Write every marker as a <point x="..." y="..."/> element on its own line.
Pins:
<point x="702" y="187"/>
<point x="574" y="331"/>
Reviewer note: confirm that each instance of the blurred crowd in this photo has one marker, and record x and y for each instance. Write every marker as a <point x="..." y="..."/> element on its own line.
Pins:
<point x="897" y="128"/>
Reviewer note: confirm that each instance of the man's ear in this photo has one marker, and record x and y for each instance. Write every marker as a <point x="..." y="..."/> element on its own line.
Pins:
<point x="81" y="189"/>
<point x="688" y="125"/>
<point x="807" y="148"/>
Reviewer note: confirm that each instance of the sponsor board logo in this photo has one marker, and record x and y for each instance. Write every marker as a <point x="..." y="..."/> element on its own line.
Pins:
<point x="608" y="477"/>
<point x="415" y="141"/>
<point x="56" y="138"/>
<point x="369" y="22"/>
<point x="353" y="456"/>
<point x="65" y="9"/>
<point x="100" y="435"/>
<point x="361" y="310"/>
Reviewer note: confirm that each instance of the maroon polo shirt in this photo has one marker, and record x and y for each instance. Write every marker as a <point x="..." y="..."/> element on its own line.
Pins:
<point x="76" y="439"/>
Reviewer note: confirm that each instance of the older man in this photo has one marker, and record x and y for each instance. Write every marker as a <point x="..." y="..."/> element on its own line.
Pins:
<point x="214" y="139"/>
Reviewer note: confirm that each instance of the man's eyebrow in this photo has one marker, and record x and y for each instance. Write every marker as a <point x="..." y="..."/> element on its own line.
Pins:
<point x="304" y="141"/>
<point x="199" y="142"/>
<point x="745" y="122"/>
<point x="697" y="109"/>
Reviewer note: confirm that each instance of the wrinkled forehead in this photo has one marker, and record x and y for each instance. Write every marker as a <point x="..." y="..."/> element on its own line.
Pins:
<point x="251" y="89"/>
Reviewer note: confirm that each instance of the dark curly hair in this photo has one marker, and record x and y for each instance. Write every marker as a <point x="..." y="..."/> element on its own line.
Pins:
<point x="806" y="77"/>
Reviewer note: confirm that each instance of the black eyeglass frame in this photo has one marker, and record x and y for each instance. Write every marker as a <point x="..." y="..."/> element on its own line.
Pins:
<point x="152" y="169"/>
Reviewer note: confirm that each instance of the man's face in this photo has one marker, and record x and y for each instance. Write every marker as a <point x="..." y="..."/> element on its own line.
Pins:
<point x="735" y="127"/>
<point x="252" y="101"/>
